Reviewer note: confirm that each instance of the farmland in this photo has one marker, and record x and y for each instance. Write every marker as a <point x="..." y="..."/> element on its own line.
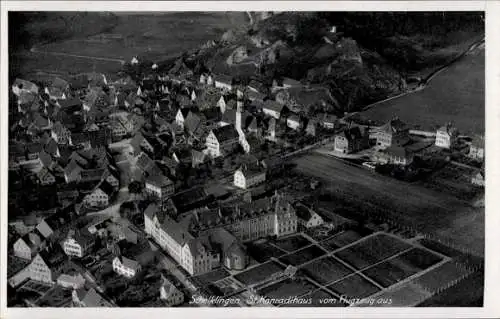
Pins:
<point x="287" y="288"/>
<point x="354" y="287"/>
<point x="424" y="209"/>
<point x="262" y="251"/>
<point x="293" y="243"/>
<point x="326" y="270"/>
<point x="371" y="250"/>
<point x="259" y="273"/>
<point x="455" y="94"/>
<point x="342" y="239"/>
<point x="400" y="267"/>
<point x="301" y="256"/>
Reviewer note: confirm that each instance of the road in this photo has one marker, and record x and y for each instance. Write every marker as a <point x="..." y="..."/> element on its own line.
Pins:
<point x="89" y="57"/>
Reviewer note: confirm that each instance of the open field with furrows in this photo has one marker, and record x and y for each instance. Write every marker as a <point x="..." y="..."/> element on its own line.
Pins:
<point x="293" y="243"/>
<point x="371" y="250"/>
<point x="152" y="35"/>
<point x="342" y="239"/>
<point x="354" y="287"/>
<point x="424" y="209"/>
<point x="326" y="270"/>
<point x="402" y="266"/>
<point x="262" y="252"/>
<point x="211" y="277"/>
<point x="455" y="94"/>
<point x="259" y="273"/>
<point x="304" y="255"/>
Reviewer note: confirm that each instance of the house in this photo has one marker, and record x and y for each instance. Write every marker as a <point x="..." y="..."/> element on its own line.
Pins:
<point x="246" y="178"/>
<point x="476" y="150"/>
<point x="235" y="256"/>
<point x="294" y="122"/>
<point x="70" y="105"/>
<point x="75" y="281"/>
<point x="159" y="186"/>
<point x="328" y="121"/>
<point x="222" y="140"/>
<point x="140" y="143"/>
<point x="273" y="109"/>
<point x="52" y="148"/>
<point x="77" y="244"/>
<point x="28" y="245"/>
<point x="312" y="127"/>
<point x="60" y="133"/>
<point x="223" y="82"/>
<point x="89" y="298"/>
<point x="55" y="93"/>
<point x="221" y="104"/>
<point x="45" y="177"/>
<point x="126" y="267"/>
<point x="350" y="140"/>
<point x="33" y="151"/>
<point x="307" y="218"/>
<point x="45" y="267"/>
<point x="170" y="294"/>
<point x="97" y="199"/>
<point x="478" y="178"/>
<point x="396" y="155"/>
<point x="446" y="136"/>
<point x="180" y="117"/>
<point x="395" y="132"/>
<point x="194" y="123"/>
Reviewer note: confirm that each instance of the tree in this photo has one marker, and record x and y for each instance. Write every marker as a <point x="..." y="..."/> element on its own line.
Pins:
<point x="135" y="187"/>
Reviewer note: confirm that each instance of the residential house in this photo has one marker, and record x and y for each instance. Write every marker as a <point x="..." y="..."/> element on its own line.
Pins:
<point x="45" y="266"/>
<point x="60" y="133"/>
<point x="328" y="121"/>
<point x="159" y="186"/>
<point x="395" y="132"/>
<point x="77" y="244"/>
<point x="33" y="151"/>
<point x="273" y="109"/>
<point x="222" y="140"/>
<point x="170" y="294"/>
<point x="312" y="127"/>
<point x="476" y="150"/>
<point x="126" y="267"/>
<point x="28" y="245"/>
<point x="350" y="140"/>
<point x="235" y="256"/>
<point x="396" y="155"/>
<point x="55" y="93"/>
<point x="293" y="121"/>
<point x="118" y="131"/>
<point x="307" y="218"/>
<point x="52" y="148"/>
<point x="478" y="179"/>
<point x="221" y="104"/>
<point x="224" y="82"/>
<point x="75" y="281"/>
<point x="45" y="177"/>
<point x="180" y="117"/>
<point x="248" y="177"/>
<point x="446" y="136"/>
<point x="140" y="143"/>
<point x="89" y="298"/>
<point x="97" y="199"/>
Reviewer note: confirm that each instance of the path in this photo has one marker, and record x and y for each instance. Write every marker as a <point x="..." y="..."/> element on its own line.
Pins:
<point x="35" y="50"/>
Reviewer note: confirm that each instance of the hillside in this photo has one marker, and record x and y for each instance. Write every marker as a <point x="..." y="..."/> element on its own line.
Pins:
<point x="368" y="58"/>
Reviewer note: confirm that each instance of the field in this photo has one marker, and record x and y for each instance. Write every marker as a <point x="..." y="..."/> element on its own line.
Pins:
<point x="259" y="273"/>
<point x="212" y="276"/>
<point x="407" y="295"/>
<point x="156" y="36"/>
<point x="454" y="180"/>
<point x="455" y="94"/>
<point x="424" y="209"/>
<point x="371" y="250"/>
<point x="326" y="270"/>
<point x="402" y="266"/>
<point x="262" y="252"/>
<point x="293" y="243"/>
<point x="287" y="288"/>
<point x="344" y="238"/>
<point x="354" y="287"/>
<point x="301" y="256"/>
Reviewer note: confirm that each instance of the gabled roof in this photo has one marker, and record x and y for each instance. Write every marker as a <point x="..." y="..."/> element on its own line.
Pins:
<point x="394" y="126"/>
<point x="193" y="121"/>
<point x="129" y="263"/>
<point x="70" y="103"/>
<point x="224" y="78"/>
<point x="158" y="180"/>
<point x="34" y="148"/>
<point x="273" y="105"/>
<point x="26" y="85"/>
<point x="294" y="118"/>
<point x="51" y="147"/>
<point x="398" y="151"/>
<point x="450" y="130"/>
<point x="351" y="134"/>
<point x="225" y="133"/>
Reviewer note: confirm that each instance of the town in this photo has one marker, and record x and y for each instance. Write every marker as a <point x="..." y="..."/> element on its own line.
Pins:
<point x="156" y="187"/>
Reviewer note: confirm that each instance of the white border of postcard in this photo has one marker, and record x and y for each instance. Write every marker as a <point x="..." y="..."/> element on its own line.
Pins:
<point x="492" y="270"/>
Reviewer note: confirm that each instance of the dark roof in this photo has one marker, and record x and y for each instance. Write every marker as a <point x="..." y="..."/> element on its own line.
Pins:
<point x="225" y="133"/>
<point x="224" y="78"/>
<point x="34" y="148"/>
<point x="398" y="151"/>
<point x="51" y="147"/>
<point x="393" y="126"/>
<point x="70" y="103"/>
<point x="158" y="180"/>
<point x="273" y="105"/>
<point x="193" y="121"/>
<point x="352" y="133"/>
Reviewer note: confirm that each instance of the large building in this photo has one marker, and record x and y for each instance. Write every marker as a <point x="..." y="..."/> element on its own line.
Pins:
<point x="350" y="140"/>
<point x="476" y="150"/>
<point x="77" y="244"/>
<point x="194" y="242"/>
<point x="159" y="186"/>
<point x="248" y="177"/>
<point x="222" y="141"/>
<point x="395" y="132"/>
<point x="446" y="136"/>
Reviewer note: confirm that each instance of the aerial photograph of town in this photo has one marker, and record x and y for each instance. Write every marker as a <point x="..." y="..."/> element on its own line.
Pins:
<point x="246" y="159"/>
